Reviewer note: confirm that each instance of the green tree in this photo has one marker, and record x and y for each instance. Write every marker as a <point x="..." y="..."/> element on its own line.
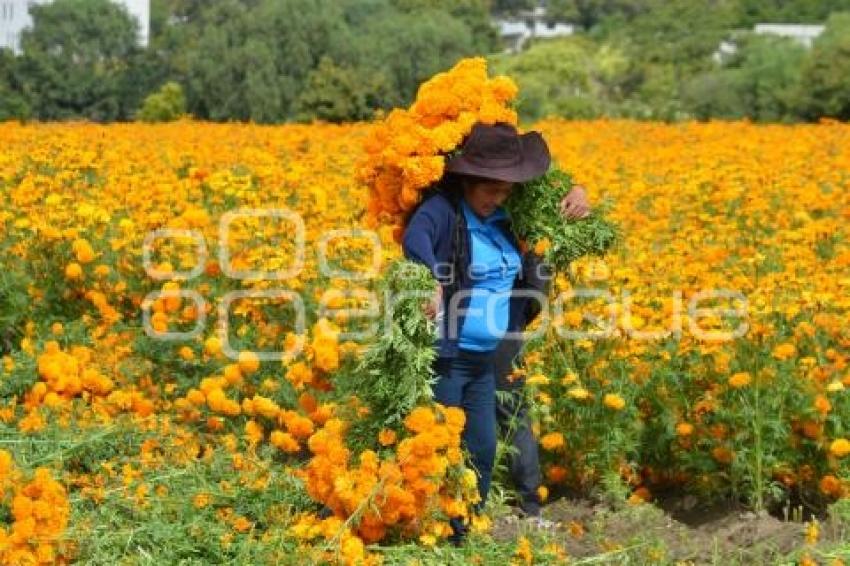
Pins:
<point x="474" y="14"/>
<point x="76" y="59"/>
<point x="751" y="12"/>
<point x="670" y="42"/>
<point x="571" y="77"/>
<point x="338" y="94"/>
<point x="716" y="94"/>
<point x="408" y="48"/>
<point x="589" y="13"/>
<point x="825" y="83"/>
<point x="759" y="82"/>
<point x="683" y="33"/>
<point x="507" y="7"/>
<point x="250" y="63"/>
<point x="165" y="105"/>
<point x="13" y="104"/>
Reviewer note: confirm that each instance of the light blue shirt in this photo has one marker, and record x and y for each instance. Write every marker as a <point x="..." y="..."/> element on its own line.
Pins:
<point x="494" y="266"/>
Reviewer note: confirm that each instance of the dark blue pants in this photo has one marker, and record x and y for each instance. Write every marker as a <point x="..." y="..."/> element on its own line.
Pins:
<point x="468" y="381"/>
<point x="515" y="425"/>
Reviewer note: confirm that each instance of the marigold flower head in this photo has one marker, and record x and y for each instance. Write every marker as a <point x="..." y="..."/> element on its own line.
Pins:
<point x="614" y="401"/>
<point x="553" y="441"/>
<point x="73" y="271"/>
<point x="739" y="380"/>
<point x="387" y="437"/>
<point x="840" y="447"/>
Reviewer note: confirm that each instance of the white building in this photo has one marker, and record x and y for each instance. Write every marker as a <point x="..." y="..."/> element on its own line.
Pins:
<point x="516" y="31"/>
<point x="804" y="34"/>
<point x="15" y="17"/>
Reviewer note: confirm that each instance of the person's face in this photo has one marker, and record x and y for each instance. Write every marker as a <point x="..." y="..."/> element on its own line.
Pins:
<point x="484" y="196"/>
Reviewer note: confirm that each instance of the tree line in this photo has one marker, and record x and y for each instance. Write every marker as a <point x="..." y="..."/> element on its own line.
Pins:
<point x="337" y="60"/>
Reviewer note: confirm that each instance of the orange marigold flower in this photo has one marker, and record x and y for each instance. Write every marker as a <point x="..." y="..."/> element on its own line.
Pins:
<point x="553" y="441"/>
<point x="614" y="401"/>
<point x="248" y="362"/>
<point x="840" y="447"/>
<point x="420" y="419"/>
<point x="739" y="380"/>
<point x="73" y="271"/>
<point x="784" y="351"/>
<point x="830" y="485"/>
<point x="387" y="437"/>
<point x="684" y="429"/>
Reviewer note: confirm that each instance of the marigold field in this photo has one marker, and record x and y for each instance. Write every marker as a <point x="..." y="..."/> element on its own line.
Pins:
<point x="119" y="446"/>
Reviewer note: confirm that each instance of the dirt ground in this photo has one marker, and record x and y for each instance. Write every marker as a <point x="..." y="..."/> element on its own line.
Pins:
<point x="671" y="531"/>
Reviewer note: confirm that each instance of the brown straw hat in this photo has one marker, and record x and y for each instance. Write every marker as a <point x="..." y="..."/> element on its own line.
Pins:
<point x="498" y="152"/>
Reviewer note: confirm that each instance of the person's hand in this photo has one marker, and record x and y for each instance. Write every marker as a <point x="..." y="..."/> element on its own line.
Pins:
<point x="433" y="306"/>
<point x="575" y="203"/>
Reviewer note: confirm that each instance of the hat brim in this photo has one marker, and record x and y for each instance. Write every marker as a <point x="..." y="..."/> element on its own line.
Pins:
<point x="534" y="162"/>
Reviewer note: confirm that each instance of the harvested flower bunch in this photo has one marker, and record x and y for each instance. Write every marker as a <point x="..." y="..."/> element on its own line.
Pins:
<point x="399" y="470"/>
<point x="406" y="154"/>
<point x="398" y="365"/>
<point x="534" y="208"/>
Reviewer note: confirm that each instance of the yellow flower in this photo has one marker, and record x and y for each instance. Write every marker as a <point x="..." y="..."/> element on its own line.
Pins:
<point x="73" y="271"/>
<point x="212" y="346"/>
<point x="187" y="353"/>
<point x="542" y="246"/>
<point x="537" y="379"/>
<point x="579" y="393"/>
<point x="542" y="493"/>
<point x="387" y="437"/>
<point x="739" y="380"/>
<point x="553" y="441"/>
<point x="784" y="351"/>
<point x="684" y="429"/>
<point x="614" y="401"/>
<point x="83" y="251"/>
<point x="840" y="447"/>
<point x="201" y="500"/>
<point x="812" y="532"/>
<point x="248" y="362"/>
<point x="523" y="552"/>
<point x="569" y="378"/>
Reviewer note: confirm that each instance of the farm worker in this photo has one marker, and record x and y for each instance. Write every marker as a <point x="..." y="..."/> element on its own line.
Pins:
<point x="461" y="232"/>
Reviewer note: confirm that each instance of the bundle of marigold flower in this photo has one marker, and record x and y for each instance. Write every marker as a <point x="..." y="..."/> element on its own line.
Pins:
<point x="39" y="512"/>
<point x="398" y="366"/>
<point x="413" y="490"/>
<point x="406" y="152"/>
<point x="409" y="474"/>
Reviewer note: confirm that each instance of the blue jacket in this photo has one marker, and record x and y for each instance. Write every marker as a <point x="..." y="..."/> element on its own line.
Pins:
<point x="436" y="236"/>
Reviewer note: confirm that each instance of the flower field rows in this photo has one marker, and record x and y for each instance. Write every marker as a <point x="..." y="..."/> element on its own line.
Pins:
<point x="706" y="354"/>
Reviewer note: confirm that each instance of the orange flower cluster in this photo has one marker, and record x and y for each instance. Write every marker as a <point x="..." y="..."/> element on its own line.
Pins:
<point x="408" y="490"/>
<point x="323" y="350"/>
<point x="66" y="375"/>
<point x="351" y="549"/>
<point x="40" y="511"/>
<point x="406" y="152"/>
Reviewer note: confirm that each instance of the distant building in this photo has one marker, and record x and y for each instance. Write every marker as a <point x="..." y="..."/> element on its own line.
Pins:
<point x="15" y="17"/>
<point x="527" y="25"/>
<point x="804" y="34"/>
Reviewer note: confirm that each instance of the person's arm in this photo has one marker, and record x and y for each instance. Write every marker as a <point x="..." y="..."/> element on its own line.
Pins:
<point x="575" y="203"/>
<point x="420" y="238"/>
<point x="419" y="244"/>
